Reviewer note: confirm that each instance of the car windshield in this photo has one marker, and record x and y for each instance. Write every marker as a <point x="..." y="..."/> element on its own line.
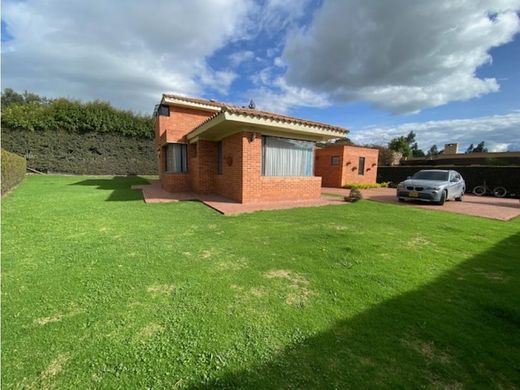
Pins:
<point x="431" y="175"/>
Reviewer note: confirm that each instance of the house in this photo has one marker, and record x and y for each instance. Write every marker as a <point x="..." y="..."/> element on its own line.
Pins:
<point x="243" y="154"/>
<point x="339" y="165"/>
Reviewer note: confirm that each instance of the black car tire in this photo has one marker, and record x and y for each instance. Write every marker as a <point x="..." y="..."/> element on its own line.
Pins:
<point x="400" y="199"/>
<point x="461" y="197"/>
<point x="443" y="198"/>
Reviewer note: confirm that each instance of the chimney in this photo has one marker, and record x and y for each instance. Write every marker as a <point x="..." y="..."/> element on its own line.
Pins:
<point x="451" y="149"/>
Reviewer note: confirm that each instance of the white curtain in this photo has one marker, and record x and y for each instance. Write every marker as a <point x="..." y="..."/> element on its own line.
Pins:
<point x="176" y="158"/>
<point x="287" y="157"/>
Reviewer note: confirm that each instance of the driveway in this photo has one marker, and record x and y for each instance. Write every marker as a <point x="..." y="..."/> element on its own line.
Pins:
<point x="489" y="207"/>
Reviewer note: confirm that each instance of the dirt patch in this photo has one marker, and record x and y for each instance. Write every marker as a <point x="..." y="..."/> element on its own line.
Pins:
<point x="298" y="291"/>
<point x="294" y="277"/>
<point x="161" y="289"/>
<point x="56" y="317"/>
<point x="258" y="292"/>
<point x="231" y="265"/>
<point x="418" y="242"/>
<point x="206" y="254"/>
<point x="496" y="276"/>
<point x="427" y="350"/>
<point x="149" y="330"/>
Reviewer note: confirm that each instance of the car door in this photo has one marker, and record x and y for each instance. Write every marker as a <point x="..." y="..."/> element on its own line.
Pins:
<point x="452" y="187"/>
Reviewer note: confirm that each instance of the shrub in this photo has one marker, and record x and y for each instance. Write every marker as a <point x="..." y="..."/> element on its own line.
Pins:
<point x="13" y="170"/>
<point x="364" y="186"/>
<point x="354" y="196"/>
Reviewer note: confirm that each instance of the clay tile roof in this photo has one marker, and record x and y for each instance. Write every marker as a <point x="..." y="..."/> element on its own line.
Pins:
<point x="206" y="102"/>
<point x="279" y="117"/>
<point x="225" y="107"/>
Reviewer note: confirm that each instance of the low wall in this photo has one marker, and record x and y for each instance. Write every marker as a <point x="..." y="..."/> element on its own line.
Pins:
<point x="508" y="177"/>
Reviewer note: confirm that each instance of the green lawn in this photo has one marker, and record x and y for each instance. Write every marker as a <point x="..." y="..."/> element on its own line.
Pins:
<point x="102" y="290"/>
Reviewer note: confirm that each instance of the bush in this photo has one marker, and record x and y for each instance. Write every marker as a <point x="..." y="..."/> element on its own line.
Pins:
<point x="364" y="186"/>
<point x="40" y="114"/>
<point x="13" y="170"/>
<point x="354" y="195"/>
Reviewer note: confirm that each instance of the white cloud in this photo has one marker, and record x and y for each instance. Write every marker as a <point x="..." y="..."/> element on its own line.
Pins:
<point x="239" y="57"/>
<point x="272" y="93"/>
<point x="500" y="132"/>
<point x="400" y="55"/>
<point x="128" y="55"/>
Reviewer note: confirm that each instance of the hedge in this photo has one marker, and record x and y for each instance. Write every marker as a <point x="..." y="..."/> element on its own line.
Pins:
<point x="507" y="176"/>
<point x="13" y="170"/>
<point x="95" y="153"/>
<point x="75" y="116"/>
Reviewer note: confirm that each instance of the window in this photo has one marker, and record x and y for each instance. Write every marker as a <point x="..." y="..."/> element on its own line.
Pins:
<point x="219" y="158"/>
<point x="287" y="157"/>
<point x="361" y="166"/>
<point x="164" y="110"/>
<point x="175" y="158"/>
<point x="334" y="160"/>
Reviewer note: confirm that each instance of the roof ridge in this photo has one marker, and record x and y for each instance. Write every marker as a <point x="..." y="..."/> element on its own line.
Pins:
<point x="227" y="107"/>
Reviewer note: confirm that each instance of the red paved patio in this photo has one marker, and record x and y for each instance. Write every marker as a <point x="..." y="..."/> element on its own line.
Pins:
<point x="153" y="193"/>
<point x="489" y="207"/>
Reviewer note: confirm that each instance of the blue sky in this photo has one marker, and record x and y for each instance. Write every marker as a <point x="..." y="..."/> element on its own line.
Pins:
<point x="448" y="70"/>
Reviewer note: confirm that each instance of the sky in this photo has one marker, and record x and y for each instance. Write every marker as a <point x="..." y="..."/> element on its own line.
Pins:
<point x="448" y="70"/>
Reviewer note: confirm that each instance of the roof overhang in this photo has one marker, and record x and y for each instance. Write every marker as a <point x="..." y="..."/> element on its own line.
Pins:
<point x="227" y="123"/>
<point x="184" y="103"/>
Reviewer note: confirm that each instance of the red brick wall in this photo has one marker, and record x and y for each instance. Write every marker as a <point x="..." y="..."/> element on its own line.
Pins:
<point x="331" y="174"/>
<point x="351" y="161"/>
<point x="229" y="183"/>
<point x="347" y="170"/>
<point x="258" y="188"/>
<point x="180" y="122"/>
<point x="176" y="182"/>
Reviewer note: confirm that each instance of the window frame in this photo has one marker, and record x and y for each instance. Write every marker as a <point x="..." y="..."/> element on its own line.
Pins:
<point x="264" y="154"/>
<point x="161" y="107"/>
<point x="335" y="160"/>
<point x="184" y="158"/>
<point x="361" y="166"/>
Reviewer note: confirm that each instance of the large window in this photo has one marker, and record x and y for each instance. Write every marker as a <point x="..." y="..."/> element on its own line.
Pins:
<point x="175" y="158"/>
<point x="164" y="110"/>
<point x="361" y="166"/>
<point x="287" y="157"/>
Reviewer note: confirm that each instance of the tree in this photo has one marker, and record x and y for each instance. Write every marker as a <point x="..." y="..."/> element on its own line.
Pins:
<point x="416" y="152"/>
<point x="405" y="145"/>
<point x="480" y="148"/>
<point x="433" y="151"/>
<point x="10" y="96"/>
<point x="470" y="149"/>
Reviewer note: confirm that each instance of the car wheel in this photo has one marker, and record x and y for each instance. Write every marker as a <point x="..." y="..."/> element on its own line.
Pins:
<point x="443" y="198"/>
<point x="461" y="197"/>
<point x="400" y="199"/>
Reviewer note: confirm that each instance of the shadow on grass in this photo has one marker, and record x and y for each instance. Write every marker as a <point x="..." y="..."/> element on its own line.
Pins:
<point x="461" y="330"/>
<point x="119" y="185"/>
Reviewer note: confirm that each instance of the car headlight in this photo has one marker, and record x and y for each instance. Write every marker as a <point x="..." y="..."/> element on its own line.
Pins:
<point x="433" y="188"/>
<point x="400" y="185"/>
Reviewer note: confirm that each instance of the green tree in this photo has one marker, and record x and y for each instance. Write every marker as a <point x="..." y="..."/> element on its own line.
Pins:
<point x="403" y="144"/>
<point x="480" y="148"/>
<point x="433" y="151"/>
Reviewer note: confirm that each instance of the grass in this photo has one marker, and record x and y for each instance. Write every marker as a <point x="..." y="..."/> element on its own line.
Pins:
<point x="100" y="290"/>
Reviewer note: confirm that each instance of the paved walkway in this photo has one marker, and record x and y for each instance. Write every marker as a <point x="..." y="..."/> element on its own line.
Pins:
<point x="153" y="193"/>
<point x="489" y="207"/>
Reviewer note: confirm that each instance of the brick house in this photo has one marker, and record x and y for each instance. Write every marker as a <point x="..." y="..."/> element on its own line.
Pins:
<point x="243" y="154"/>
<point x="339" y="165"/>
